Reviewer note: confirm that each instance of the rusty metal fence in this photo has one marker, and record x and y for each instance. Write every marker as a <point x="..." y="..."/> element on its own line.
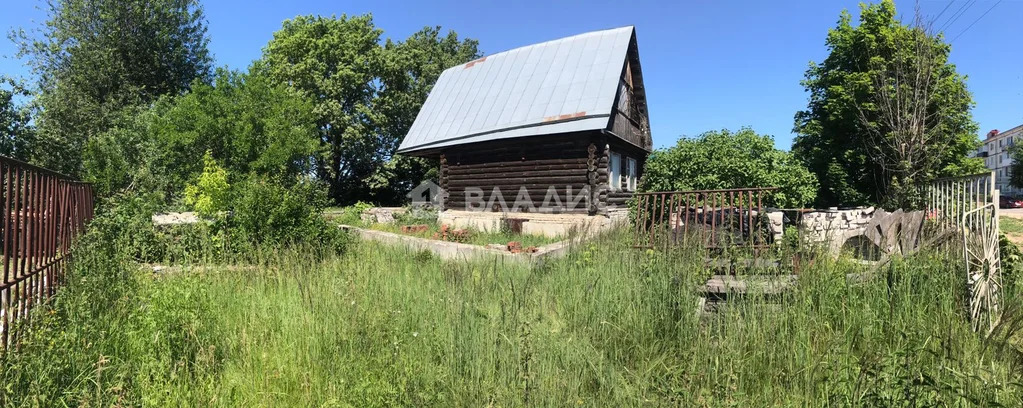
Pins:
<point x="715" y="219"/>
<point x="43" y="211"/>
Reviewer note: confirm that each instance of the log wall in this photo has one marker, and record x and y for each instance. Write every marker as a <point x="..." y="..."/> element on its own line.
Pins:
<point x="529" y="166"/>
<point x="618" y="199"/>
<point x="572" y="164"/>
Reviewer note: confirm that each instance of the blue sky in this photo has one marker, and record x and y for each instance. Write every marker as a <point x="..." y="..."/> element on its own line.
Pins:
<point x="707" y="64"/>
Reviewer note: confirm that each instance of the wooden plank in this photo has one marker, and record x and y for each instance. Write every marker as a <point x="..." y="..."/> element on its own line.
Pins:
<point x="457" y="170"/>
<point x="544" y="182"/>
<point x="546" y="152"/>
<point x="537" y="201"/>
<point x="491" y="173"/>
<point x="497" y="162"/>
<point x="579" y="209"/>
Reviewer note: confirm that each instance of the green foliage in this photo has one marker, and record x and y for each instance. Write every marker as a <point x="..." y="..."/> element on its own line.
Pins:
<point x="606" y="325"/>
<point x="250" y="124"/>
<point x="846" y="139"/>
<point x="124" y="220"/>
<point x="268" y="212"/>
<point x="247" y="124"/>
<point x="1012" y="258"/>
<point x="94" y="58"/>
<point x="114" y="336"/>
<point x="366" y="96"/>
<point x="16" y="132"/>
<point x="722" y="159"/>
<point x="209" y="195"/>
<point x="790" y="239"/>
<point x="1016" y="168"/>
<point x="126" y="157"/>
<point x="352" y="214"/>
<point x="416" y="214"/>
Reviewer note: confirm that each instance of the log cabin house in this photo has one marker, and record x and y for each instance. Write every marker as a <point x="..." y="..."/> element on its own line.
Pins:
<point x="559" y="127"/>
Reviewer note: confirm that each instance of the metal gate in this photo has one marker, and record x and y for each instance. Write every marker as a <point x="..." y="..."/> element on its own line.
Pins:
<point x="969" y="205"/>
<point x="43" y="211"/>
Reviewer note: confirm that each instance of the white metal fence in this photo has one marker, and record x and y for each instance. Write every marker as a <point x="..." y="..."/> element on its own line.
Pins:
<point x="968" y="206"/>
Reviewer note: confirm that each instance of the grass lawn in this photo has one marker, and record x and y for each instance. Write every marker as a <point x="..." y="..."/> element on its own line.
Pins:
<point x="1012" y="226"/>
<point x="605" y="326"/>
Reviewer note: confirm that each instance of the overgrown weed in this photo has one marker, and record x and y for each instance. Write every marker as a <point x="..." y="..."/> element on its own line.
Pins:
<point x="606" y="325"/>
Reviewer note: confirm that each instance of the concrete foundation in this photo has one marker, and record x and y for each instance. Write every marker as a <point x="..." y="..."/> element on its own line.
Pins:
<point x="458" y="251"/>
<point x="549" y="225"/>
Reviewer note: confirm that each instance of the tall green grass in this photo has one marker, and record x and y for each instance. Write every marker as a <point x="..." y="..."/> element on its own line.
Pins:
<point x="433" y="231"/>
<point x="605" y="326"/>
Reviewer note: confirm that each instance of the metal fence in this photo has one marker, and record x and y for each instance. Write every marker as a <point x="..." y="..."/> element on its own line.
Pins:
<point x="968" y="207"/>
<point x="43" y="211"/>
<point x="715" y="219"/>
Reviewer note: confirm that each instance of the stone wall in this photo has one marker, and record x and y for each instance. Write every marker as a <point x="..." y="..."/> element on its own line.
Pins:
<point x="833" y="227"/>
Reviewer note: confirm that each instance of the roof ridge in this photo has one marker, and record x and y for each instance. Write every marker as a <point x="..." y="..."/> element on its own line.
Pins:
<point x="484" y="57"/>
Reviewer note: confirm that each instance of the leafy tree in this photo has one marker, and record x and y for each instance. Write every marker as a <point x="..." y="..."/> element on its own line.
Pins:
<point x="887" y="111"/>
<point x="1016" y="168"/>
<point x="411" y="68"/>
<point x="94" y="58"/>
<point x="248" y="124"/>
<point x="722" y="159"/>
<point x="366" y="95"/>
<point x="16" y="134"/>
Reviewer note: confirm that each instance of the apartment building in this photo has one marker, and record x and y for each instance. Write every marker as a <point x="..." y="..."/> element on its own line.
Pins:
<point x="995" y="152"/>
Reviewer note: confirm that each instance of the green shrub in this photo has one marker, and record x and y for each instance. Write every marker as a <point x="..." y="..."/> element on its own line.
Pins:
<point x="209" y="195"/>
<point x="268" y="212"/>
<point x="1012" y="259"/>
<point x="249" y="124"/>
<point x="352" y="214"/>
<point x="125" y="220"/>
<point x="418" y="215"/>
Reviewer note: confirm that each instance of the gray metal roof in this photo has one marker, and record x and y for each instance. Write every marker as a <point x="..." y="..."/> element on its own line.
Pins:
<point x="558" y="86"/>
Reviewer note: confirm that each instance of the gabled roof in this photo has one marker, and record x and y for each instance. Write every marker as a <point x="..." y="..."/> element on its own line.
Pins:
<point x="559" y="86"/>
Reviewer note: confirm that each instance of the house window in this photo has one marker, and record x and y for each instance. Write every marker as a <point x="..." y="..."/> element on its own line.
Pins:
<point x="616" y="172"/>
<point x="631" y="173"/>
